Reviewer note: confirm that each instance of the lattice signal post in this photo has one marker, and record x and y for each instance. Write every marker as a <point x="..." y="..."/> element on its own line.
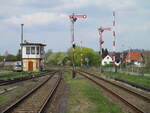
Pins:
<point x="73" y="18"/>
<point x="101" y="30"/>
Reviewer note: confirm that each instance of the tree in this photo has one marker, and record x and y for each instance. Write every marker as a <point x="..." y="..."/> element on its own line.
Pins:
<point x="56" y="58"/>
<point x="47" y="56"/>
<point x="6" y="53"/>
<point x="90" y="54"/>
<point x="2" y="58"/>
<point x="18" y="54"/>
<point x="104" y="52"/>
<point x="65" y="58"/>
<point x="10" y="57"/>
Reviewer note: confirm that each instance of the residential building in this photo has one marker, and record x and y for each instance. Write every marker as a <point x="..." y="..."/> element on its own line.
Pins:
<point x="134" y="57"/>
<point x="107" y="60"/>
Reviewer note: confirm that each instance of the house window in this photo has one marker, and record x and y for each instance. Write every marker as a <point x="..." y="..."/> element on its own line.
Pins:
<point x="37" y="50"/>
<point x="27" y="50"/>
<point x="42" y="50"/>
<point x="32" y="50"/>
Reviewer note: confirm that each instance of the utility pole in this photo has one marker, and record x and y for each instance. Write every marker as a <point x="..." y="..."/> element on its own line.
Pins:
<point x="22" y="33"/>
<point x="101" y="30"/>
<point x="21" y="44"/>
<point x="73" y="19"/>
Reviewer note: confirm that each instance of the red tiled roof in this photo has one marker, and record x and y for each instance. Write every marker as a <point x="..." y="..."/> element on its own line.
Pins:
<point x="133" y="56"/>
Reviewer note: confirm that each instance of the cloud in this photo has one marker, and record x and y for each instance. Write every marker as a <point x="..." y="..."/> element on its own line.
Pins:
<point x="132" y="22"/>
<point x="40" y="18"/>
<point x="110" y="4"/>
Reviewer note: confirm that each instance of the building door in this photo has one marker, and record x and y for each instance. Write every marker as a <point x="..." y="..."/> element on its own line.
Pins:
<point x="30" y="66"/>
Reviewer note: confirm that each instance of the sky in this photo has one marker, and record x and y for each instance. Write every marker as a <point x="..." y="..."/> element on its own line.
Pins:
<point x="47" y="21"/>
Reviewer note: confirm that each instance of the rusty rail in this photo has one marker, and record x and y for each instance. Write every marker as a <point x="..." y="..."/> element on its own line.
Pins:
<point x="20" y="79"/>
<point x="131" y="106"/>
<point x="52" y="93"/>
<point x="12" y="106"/>
<point x="121" y="87"/>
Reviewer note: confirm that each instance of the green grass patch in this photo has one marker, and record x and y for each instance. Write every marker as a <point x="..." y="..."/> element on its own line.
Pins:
<point x="140" y="80"/>
<point x="84" y="98"/>
<point x="16" y="75"/>
<point x="4" y="98"/>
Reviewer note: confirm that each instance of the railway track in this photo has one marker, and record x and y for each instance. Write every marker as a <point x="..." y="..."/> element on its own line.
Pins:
<point x="15" y="80"/>
<point x="36" y="100"/>
<point x="136" y="102"/>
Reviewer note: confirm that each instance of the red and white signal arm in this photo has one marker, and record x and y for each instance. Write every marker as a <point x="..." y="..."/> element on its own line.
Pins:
<point x="107" y="28"/>
<point x="78" y="16"/>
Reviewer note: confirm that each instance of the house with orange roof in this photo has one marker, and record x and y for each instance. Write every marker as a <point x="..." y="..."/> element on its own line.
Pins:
<point x="134" y="57"/>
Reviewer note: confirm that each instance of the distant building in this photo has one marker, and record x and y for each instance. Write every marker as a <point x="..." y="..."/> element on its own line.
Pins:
<point x="32" y="56"/>
<point x="117" y="57"/>
<point x="107" y="60"/>
<point x="134" y="57"/>
<point x="9" y="63"/>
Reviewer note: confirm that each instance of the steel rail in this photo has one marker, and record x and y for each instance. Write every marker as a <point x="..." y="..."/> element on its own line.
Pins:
<point x="121" y="87"/>
<point x="12" y="106"/>
<point x="16" y="80"/>
<point x="133" y="107"/>
<point x="50" y="96"/>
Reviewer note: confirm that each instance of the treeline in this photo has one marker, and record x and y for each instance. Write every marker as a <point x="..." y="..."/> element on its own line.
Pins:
<point x="86" y="56"/>
<point x="10" y="57"/>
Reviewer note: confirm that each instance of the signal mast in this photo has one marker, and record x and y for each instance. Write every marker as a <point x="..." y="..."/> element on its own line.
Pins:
<point x="101" y="30"/>
<point x="114" y="36"/>
<point x="73" y="18"/>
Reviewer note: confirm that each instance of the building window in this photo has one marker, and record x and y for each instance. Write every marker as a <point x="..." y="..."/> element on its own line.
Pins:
<point x="27" y="50"/>
<point x="32" y="50"/>
<point x="37" y="50"/>
<point x="42" y="50"/>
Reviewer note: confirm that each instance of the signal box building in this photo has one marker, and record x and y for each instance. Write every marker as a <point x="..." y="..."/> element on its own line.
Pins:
<point x="32" y="56"/>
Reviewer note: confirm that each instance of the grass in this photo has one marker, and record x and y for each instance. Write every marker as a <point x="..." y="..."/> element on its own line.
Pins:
<point x="140" y="80"/>
<point x="83" y="98"/>
<point x="15" y="75"/>
<point x="5" y="69"/>
<point x="4" y="98"/>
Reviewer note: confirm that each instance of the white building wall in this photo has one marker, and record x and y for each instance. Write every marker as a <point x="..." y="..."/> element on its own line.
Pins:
<point x="24" y="55"/>
<point x="107" y="60"/>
